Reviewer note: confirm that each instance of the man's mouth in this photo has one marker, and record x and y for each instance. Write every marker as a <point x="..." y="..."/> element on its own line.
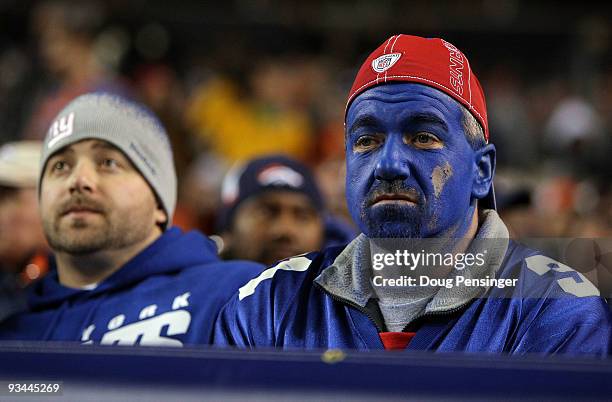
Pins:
<point x="394" y="198"/>
<point x="80" y="211"/>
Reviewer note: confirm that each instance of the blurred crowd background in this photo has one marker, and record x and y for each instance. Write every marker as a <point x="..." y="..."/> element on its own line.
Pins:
<point x="236" y="79"/>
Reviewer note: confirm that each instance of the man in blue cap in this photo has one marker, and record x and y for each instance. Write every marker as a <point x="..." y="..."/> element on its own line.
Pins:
<point x="272" y="209"/>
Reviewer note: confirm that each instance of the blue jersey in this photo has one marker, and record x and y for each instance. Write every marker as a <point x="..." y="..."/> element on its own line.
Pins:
<point x="552" y="309"/>
<point x="169" y="295"/>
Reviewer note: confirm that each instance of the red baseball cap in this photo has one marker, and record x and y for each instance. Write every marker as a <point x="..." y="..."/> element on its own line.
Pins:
<point x="428" y="61"/>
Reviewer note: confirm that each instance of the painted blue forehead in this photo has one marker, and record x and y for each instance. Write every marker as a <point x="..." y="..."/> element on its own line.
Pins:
<point x="402" y="92"/>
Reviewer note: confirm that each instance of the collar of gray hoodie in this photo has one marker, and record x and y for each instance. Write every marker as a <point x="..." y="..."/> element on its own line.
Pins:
<point x="350" y="277"/>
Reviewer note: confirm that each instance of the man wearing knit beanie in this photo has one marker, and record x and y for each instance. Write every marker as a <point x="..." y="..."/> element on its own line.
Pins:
<point x="433" y="268"/>
<point x="107" y="192"/>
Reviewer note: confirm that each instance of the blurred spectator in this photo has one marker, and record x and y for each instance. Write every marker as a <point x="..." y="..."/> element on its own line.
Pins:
<point x="23" y="249"/>
<point x="514" y="207"/>
<point x="280" y="86"/>
<point x="553" y="205"/>
<point x="16" y="84"/>
<point x="572" y="120"/>
<point x="574" y="132"/>
<point x="267" y="119"/>
<point x="329" y="102"/>
<point x="272" y="209"/>
<point x="510" y="124"/>
<point x="67" y="33"/>
<point x="200" y="193"/>
<point x="159" y="88"/>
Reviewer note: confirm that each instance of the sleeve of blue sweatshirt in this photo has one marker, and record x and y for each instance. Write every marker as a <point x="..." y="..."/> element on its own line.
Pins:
<point x="250" y="317"/>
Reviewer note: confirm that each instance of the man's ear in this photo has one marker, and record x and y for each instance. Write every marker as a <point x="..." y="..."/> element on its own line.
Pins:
<point x="160" y="216"/>
<point x="484" y="170"/>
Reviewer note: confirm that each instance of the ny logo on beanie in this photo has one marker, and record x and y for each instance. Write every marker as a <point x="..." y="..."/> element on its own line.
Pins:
<point x="61" y="128"/>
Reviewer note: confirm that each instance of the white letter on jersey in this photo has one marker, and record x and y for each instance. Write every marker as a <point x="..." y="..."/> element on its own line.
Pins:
<point x="116" y="322"/>
<point x="541" y="264"/>
<point x="181" y="301"/>
<point x="87" y="333"/>
<point x="148" y="332"/>
<point x="293" y="264"/>
<point x="147" y="312"/>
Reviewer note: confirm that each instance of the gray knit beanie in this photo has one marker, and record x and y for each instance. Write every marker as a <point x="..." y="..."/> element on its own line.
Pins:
<point x="127" y="125"/>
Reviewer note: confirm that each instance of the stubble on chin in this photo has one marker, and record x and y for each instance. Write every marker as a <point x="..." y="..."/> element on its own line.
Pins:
<point x="392" y="222"/>
<point x="77" y="237"/>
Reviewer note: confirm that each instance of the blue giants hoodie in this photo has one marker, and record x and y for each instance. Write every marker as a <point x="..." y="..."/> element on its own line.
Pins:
<point x="168" y="295"/>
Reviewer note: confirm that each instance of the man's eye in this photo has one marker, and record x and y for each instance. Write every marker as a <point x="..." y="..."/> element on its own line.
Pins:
<point x="59" y="166"/>
<point x="366" y="143"/>
<point x="110" y="163"/>
<point x="268" y="211"/>
<point x="425" y="140"/>
<point x="304" y="215"/>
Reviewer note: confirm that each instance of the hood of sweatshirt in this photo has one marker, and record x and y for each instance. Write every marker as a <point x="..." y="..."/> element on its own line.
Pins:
<point x="173" y="251"/>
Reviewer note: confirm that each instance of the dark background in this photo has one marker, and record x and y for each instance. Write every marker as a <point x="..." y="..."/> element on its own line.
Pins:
<point x="532" y="57"/>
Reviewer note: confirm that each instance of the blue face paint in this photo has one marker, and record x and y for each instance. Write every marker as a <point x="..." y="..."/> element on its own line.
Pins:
<point x="410" y="168"/>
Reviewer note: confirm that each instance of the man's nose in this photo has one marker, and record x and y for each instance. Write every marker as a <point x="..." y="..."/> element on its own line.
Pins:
<point x="284" y="225"/>
<point x="83" y="178"/>
<point x="392" y="160"/>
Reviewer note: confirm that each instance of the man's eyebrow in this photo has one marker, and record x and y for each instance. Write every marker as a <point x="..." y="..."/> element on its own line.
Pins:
<point x="424" y="117"/>
<point x="104" y="145"/>
<point x="63" y="151"/>
<point x="363" y="121"/>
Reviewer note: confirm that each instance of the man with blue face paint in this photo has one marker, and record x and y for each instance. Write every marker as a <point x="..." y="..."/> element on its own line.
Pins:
<point x="420" y="186"/>
<point x="410" y="140"/>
